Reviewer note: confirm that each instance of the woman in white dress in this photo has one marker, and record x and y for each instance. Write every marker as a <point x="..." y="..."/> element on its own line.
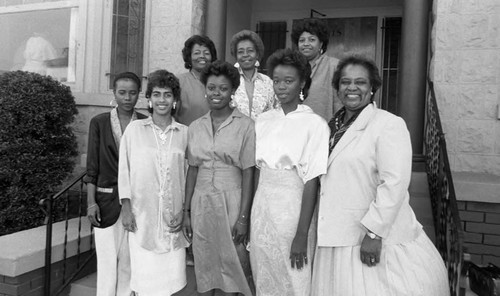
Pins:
<point x="151" y="181"/>
<point x="255" y="93"/>
<point x="291" y="153"/>
<point x="369" y="241"/>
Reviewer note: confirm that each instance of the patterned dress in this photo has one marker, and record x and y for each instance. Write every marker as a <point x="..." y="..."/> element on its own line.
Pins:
<point x="215" y="205"/>
<point x="263" y="96"/>
<point x="291" y="149"/>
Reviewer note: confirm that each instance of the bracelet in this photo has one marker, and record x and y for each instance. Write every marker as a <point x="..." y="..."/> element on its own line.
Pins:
<point x="186" y="210"/>
<point x="91" y="206"/>
<point x="241" y="223"/>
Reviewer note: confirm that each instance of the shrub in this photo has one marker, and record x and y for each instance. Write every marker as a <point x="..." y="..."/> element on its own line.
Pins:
<point x="37" y="145"/>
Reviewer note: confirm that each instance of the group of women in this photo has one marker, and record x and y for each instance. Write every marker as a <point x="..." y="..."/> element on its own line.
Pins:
<point x="284" y="192"/>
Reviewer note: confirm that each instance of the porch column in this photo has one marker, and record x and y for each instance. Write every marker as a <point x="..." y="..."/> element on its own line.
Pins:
<point x="413" y="75"/>
<point x="216" y="25"/>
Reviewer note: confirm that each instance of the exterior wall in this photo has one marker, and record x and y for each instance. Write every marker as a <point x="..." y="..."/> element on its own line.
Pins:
<point x="481" y="224"/>
<point x="32" y="283"/>
<point x="465" y="69"/>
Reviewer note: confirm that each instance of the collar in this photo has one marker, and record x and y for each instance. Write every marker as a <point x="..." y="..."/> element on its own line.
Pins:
<point x="364" y="117"/>
<point x="256" y="74"/>
<point x="235" y="113"/>
<point x="301" y="108"/>
<point x="174" y="125"/>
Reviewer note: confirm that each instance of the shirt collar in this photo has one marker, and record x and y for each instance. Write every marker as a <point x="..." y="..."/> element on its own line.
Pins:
<point x="235" y="113"/>
<point x="174" y="125"/>
<point x="256" y="74"/>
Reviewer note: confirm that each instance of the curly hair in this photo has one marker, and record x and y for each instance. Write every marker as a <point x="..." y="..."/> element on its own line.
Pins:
<point x="291" y="57"/>
<point x="250" y="36"/>
<point x="163" y="79"/>
<point x="368" y="64"/>
<point x="219" y="68"/>
<point x="188" y="48"/>
<point x="313" y="26"/>
<point x="127" y="76"/>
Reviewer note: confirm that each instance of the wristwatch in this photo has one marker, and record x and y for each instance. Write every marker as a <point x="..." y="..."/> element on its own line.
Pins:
<point x="373" y="235"/>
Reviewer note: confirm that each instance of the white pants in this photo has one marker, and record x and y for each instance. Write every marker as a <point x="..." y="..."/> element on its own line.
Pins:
<point x="113" y="260"/>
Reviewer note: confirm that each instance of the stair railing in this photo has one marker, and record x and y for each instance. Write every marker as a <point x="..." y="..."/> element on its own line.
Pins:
<point x="68" y="203"/>
<point x="449" y="234"/>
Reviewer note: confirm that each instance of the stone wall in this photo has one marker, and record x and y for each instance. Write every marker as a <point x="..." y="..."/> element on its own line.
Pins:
<point x="172" y="22"/>
<point x="465" y="68"/>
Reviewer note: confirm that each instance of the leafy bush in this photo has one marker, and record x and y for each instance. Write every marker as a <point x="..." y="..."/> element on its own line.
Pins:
<point x="37" y="145"/>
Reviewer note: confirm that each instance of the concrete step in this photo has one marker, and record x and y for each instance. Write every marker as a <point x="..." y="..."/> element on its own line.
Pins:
<point x="87" y="286"/>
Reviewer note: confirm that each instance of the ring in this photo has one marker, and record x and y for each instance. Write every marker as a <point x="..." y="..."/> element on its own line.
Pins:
<point x="372" y="260"/>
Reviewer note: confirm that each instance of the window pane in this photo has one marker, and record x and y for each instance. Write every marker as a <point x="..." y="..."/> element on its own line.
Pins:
<point x="39" y="41"/>
<point x="128" y="37"/>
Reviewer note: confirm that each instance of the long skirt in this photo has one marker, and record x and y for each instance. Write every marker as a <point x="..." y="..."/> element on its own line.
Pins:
<point x="412" y="268"/>
<point x="156" y="274"/>
<point x="275" y="216"/>
<point x="215" y="208"/>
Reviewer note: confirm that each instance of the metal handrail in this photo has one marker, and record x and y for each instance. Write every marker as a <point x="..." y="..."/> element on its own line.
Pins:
<point x="449" y="233"/>
<point x="47" y="206"/>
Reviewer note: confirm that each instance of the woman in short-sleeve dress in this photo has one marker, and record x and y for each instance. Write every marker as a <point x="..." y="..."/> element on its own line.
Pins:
<point x="221" y="156"/>
<point x="291" y="153"/>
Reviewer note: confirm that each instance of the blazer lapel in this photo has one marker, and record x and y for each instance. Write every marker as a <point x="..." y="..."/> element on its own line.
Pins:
<point x="355" y="130"/>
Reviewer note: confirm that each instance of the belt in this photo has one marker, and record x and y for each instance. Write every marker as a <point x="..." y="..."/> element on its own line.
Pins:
<point x="104" y="190"/>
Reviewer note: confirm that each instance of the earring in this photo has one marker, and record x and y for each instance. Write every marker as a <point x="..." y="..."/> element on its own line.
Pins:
<point x="371" y="93"/>
<point x="205" y="96"/>
<point x="173" y="105"/>
<point x="257" y="64"/>
<point x="150" y="104"/>
<point x="233" y="103"/>
<point x="236" y="65"/>
<point x="301" y="96"/>
<point x="112" y="103"/>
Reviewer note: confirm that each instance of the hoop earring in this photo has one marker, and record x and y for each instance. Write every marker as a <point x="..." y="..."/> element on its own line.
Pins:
<point x="301" y="96"/>
<point x="236" y="65"/>
<point x="112" y="103"/>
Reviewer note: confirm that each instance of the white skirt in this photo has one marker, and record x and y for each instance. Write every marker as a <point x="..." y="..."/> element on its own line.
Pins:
<point x="154" y="274"/>
<point x="413" y="268"/>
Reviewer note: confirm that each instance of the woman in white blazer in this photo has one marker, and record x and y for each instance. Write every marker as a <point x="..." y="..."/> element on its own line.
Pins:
<point x="369" y="241"/>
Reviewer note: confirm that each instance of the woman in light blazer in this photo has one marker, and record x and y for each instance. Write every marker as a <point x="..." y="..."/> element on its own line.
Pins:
<point x="369" y="241"/>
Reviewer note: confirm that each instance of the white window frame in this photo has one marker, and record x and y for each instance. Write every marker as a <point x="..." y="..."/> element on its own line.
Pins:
<point x="78" y="7"/>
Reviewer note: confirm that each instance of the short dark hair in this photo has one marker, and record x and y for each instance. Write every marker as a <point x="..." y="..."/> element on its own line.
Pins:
<point x="163" y="79"/>
<point x="368" y="64"/>
<point x="127" y="75"/>
<point x="221" y="68"/>
<point x="250" y="36"/>
<point x="200" y="40"/>
<point x="291" y="57"/>
<point x="315" y="27"/>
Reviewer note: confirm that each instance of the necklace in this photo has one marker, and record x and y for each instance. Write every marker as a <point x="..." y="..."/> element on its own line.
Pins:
<point x="164" y="193"/>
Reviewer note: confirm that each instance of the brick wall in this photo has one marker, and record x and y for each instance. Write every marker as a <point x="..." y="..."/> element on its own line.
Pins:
<point x="32" y="283"/>
<point x="481" y="224"/>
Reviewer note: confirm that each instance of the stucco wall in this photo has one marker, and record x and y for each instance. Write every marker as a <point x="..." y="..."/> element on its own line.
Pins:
<point x="466" y="71"/>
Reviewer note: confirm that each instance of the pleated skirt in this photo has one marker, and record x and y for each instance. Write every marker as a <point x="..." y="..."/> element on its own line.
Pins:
<point x="413" y="268"/>
<point x="215" y="207"/>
